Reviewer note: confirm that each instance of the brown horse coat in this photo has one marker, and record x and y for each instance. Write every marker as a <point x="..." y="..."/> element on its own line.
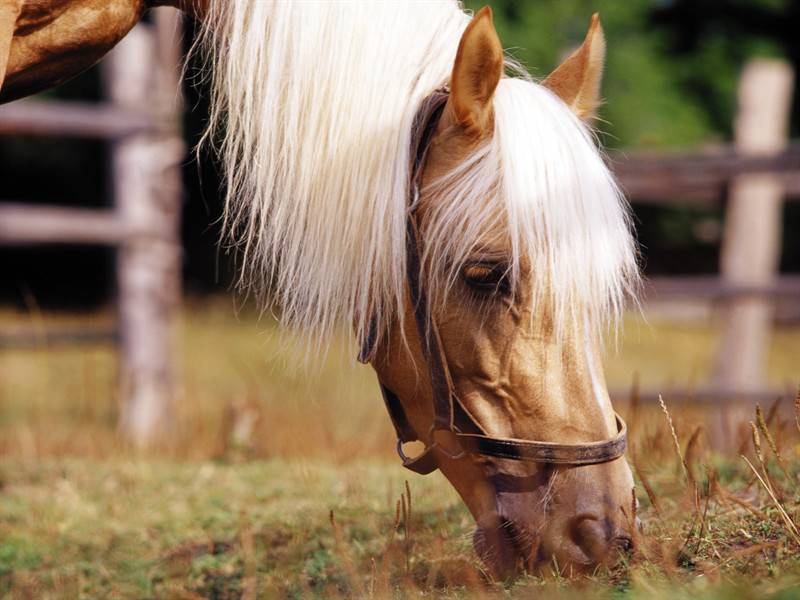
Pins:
<point x="46" y="42"/>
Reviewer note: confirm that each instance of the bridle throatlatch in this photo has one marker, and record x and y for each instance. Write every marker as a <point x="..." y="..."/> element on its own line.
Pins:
<point x="450" y="415"/>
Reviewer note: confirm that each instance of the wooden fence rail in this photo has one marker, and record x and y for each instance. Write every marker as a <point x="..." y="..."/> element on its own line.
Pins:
<point x="713" y="287"/>
<point x="700" y="177"/>
<point x="68" y="335"/>
<point x="73" y="119"/>
<point x="26" y="224"/>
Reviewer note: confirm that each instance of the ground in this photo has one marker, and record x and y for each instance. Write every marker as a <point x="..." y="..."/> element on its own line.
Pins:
<point x="282" y="482"/>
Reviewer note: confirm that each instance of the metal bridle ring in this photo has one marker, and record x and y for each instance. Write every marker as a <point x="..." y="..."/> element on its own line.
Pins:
<point x="434" y="444"/>
<point x="403" y="456"/>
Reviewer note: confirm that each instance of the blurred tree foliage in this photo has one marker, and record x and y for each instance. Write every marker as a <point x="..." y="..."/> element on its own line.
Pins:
<point x="672" y="65"/>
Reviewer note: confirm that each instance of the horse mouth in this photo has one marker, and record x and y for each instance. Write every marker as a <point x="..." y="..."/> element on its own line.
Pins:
<point x="509" y="550"/>
<point x="506" y="550"/>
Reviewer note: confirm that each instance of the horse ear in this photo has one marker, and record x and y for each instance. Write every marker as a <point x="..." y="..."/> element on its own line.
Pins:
<point x="476" y="73"/>
<point x="577" y="80"/>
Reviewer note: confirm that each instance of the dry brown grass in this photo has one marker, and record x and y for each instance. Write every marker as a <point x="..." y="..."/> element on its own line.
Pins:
<point x="282" y="483"/>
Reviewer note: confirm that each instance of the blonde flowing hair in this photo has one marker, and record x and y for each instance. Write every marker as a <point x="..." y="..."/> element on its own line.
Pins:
<point x="311" y="113"/>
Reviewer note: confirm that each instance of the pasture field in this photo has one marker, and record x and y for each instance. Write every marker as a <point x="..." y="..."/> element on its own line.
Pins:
<point x="282" y="480"/>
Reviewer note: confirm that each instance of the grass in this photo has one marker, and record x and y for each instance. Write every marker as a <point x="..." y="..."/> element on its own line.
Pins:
<point x="283" y="482"/>
<point x="133" y="528"/>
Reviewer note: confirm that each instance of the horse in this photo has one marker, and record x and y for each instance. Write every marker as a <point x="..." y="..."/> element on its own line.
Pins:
<point x="387" y="166"/>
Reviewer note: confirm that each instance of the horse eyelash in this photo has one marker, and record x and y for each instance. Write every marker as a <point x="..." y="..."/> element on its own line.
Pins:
<point x="502" y="284"/>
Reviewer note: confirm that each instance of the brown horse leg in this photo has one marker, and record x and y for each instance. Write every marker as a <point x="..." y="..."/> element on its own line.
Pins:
<point x="9" y="11"/>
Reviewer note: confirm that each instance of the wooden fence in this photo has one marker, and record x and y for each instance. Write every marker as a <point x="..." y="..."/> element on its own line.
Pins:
<point x="752" y="179"/>
<point x="141" y="123"/>
<point x="140" y="120"/>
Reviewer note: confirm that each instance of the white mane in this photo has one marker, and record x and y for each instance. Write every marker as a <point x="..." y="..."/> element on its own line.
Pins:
<point x="312" y="111"/>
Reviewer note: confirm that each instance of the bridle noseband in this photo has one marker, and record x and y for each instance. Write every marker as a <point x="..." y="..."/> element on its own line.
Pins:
<point x="450" y="415"/>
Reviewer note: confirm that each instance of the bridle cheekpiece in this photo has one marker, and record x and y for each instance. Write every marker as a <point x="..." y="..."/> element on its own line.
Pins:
<point x="450" y="415"/>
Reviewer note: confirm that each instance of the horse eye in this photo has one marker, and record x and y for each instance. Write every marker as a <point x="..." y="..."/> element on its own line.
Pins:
<point x="486" y="276"/>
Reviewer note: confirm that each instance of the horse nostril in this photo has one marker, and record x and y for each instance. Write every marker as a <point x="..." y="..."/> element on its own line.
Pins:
<point x="589" y="534"/>
<point x="598" y="540"/>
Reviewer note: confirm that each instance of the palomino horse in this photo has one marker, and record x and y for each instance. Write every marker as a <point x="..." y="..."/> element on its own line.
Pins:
<point x="387" y="167"/>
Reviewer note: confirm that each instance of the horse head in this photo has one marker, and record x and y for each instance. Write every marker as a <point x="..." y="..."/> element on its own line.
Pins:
<point x="523" y="245"/>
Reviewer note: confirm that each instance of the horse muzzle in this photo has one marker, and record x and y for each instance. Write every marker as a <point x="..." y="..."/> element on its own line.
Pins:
<point x="560" y="520"/>
<point x="578" y="546"/>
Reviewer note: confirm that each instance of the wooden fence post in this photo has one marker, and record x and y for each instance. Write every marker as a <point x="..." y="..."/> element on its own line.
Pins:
<point x="147" y="195"/>
<point x="751" y="241"/>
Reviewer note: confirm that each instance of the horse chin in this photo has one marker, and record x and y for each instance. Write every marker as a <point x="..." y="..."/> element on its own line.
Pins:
<point x="502" y="552"/>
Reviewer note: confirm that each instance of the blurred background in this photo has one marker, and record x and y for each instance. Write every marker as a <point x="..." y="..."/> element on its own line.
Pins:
<point x="272" y="475"/>
<point x="714" y="204"/>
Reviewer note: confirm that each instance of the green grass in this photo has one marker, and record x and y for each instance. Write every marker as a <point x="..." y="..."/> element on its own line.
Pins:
<point x="133" y="528"/>
<point x="155" y="529"/>
<point x="282" y="481"/>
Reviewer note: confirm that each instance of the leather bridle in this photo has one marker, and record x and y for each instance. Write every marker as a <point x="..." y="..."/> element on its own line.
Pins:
<point x="449" y="414"/>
